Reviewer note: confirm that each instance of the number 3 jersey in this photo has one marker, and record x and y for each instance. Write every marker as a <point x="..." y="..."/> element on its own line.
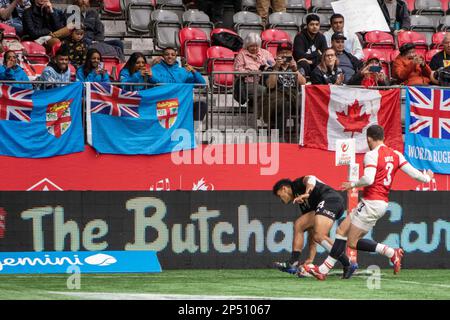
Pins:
<point x="386" y="161"/>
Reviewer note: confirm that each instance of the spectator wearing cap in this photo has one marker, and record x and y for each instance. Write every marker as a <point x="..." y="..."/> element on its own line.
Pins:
<point x="58" y="69"/>
<point x="409" y="68"/>
<point x="328" y="71"/>
<point x="347" y="62"/>
<point x="396" y="14"/>
<point x="371" y="74"/>
<point x="11" y="13"/>
<point x="309" y="45"/>
<point x="442" y="58"/>
<point x="282" y="87"/>
<point x="352" y="43"/>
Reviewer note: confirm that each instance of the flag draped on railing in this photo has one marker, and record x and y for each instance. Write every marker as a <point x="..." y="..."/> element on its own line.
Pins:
<point x="40" y="124"/>
<point x="427" y="128"/>
<point x="152" y="121"/>
<point x="336" y="112"/>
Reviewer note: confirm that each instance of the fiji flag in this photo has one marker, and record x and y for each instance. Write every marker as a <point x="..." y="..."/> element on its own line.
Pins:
<point x="152" y="121"/>
<point x="41" y="123"/>
<point x="427" y="128"/>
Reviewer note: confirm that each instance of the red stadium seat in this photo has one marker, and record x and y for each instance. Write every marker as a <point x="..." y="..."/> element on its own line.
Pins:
<point x="379" y="39"/>
<point x="8" y="31"/>
<point x="436" y="40"/>
<point x="193" y="46"/>
<point x="221" y="59"/>
<point x="271" y="38"/>
<point x="111" y="64"/>
<point x="410" y="4"/>
<point x="416" y="38"/>
<point x="430" y="53"/>
<point x="394" y="54"/>
<point x="112" y="7"/>
<point x="35" y="52"/>
<point x="220" y="30"/>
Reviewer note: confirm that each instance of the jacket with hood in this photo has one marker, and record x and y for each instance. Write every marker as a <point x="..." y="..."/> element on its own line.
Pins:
<point x="52" y="73"/>
<point x="164" y="73"/>
<point x="15" y="73"/>
<point x="307" y="48"/>
<point x="410" y="73"/>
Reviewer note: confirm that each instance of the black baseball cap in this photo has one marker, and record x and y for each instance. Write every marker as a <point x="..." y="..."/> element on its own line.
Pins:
<point x="337" y="36"/>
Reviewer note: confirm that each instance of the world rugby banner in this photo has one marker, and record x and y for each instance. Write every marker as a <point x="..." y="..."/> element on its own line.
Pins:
<point x="427" y="128"/>
<point x="152" y="121"/>
<point x="41" y="123"/>
<point x="335" y="112"/>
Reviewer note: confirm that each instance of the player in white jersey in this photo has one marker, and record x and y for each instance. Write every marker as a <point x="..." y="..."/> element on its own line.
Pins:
<point x="380" y="166"/>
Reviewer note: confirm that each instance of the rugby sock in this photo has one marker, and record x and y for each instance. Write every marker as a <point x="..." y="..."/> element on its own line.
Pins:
<point x="326" y="245"/>
<point x="340" y="243"/>
<point x="295" y="255"/>
<point x="327" y="265"/>
<point x="366" y="245"/>
<point x="342" y="258"/>
<point x="385" y="250"/>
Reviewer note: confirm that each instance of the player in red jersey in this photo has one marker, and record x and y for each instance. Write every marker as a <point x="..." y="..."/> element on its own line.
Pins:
<point x="380" y="166"/>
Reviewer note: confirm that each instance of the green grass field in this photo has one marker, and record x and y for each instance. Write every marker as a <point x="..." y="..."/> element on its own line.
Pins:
<point x="261" y="283"/>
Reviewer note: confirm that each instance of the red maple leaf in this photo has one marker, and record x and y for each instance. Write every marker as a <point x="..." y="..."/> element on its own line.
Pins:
<point x="353" y="121"/>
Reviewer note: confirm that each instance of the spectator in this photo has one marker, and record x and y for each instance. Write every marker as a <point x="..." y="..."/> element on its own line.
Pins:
<point x="10" y="70"/>
<point x="169" y="71"/>
<point x="347" y="62"/>
<point x="58" y="69"/>
<point x="352" y="43"/>
<point x="396" y="14"/>
<point x="92" y="70"/>
<point x="135" y="71"/>
<point x="44" y="24"/>
<point x="442" y="59"/>
<point x="95" y="31"/>
<point x="214" y="9"/>
<point x="11" y="13"/>
<point x="409" y="68"/>
<point x="262" y="8"/>
<point x="252" y="58"/>
<point x="371" y="74"/>
<point x="282" y="88"/>
<point x="309" y="45"/>
<point x="77" y="47"/>
<point x="328" y="71"/>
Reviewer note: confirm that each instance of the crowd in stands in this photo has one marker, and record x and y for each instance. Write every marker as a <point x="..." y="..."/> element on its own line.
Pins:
<point x="314" y="56"/>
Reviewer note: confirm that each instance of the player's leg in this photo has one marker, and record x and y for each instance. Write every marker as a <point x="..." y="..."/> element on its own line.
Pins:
<point x="362" y="222"/>
<point x="304" y="222"/>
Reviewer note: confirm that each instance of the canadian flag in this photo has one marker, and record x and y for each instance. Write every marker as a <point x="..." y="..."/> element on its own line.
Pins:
<point x="337" y="112"/>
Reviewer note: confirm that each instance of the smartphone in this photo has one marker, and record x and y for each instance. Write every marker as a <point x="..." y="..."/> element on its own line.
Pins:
<point x="375" y="69"/>
<point x="288" y="59"/>
<point x="101" y="66"/>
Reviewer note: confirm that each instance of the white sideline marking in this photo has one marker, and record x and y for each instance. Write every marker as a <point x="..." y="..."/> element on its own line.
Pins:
<point x="158" y="296"/>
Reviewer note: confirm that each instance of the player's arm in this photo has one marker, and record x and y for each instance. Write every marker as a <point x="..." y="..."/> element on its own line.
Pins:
<point x="370" y="170"/>
<point x="310" y="183"/>
<point x="407" y="168"/>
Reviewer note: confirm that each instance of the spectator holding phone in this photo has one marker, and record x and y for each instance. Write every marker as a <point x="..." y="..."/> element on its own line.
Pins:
<point x="410" y="68"/>
<point x="328" y="71"/>
<point x="371" y="74"/>
<point x="92" y="70"/>
<point x="135" y="71"/>
<point x="10" y="70"/>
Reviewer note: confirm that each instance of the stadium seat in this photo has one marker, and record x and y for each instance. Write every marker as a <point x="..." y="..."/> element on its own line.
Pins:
<point x="193" y="46"/>
<point x="285" y="21"/>
<point x="112" y="7"/>
<point x="198" y="19"/>
<point x="165" y="26"/>
<point x="423" y="24"/>
<point x="436" y="40"/>
<point x="246" y="22"/>
<point x="219" y="30"/>
<point x="321" y="6"/>
<point x="296" y="7"/>
<point x="8" y="31"/>
<point x="430" y="53"/>
<point x="220" y="59"/>
<point x="444" y="23"/>
<point x="410" y="4"/>
<point x="35" y="53"/>
<point x="138" y="15"/>
<point x="271" y="38"/>
<point x="429" y="8"/>
<point x="379" y="39"/>
<point x="249" y="5"/>
<point x="175" y="6"/>
<point x="111" y="64"/>
<point x="416" y="38"/>
<point x="394" y="54"/>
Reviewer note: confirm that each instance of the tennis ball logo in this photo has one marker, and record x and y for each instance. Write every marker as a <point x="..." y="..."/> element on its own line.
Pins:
<point x="100" y="259"/>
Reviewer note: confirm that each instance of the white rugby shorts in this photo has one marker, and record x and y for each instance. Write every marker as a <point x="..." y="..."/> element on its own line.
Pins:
<point x="367" y="213"/>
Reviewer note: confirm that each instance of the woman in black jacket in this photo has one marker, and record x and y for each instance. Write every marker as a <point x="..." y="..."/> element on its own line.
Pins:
<point x="328" y="71"/>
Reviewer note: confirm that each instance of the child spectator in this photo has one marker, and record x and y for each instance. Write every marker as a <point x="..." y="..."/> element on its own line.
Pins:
<point x="77" y="47"/>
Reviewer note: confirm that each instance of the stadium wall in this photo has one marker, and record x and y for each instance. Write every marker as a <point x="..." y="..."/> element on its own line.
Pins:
<point x="220" y="229"/>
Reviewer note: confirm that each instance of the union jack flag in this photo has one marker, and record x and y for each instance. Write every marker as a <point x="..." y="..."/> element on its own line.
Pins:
<point x="111" y="100"/>
<point x="430" y="112"/>
<point x="15" y="103"/>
